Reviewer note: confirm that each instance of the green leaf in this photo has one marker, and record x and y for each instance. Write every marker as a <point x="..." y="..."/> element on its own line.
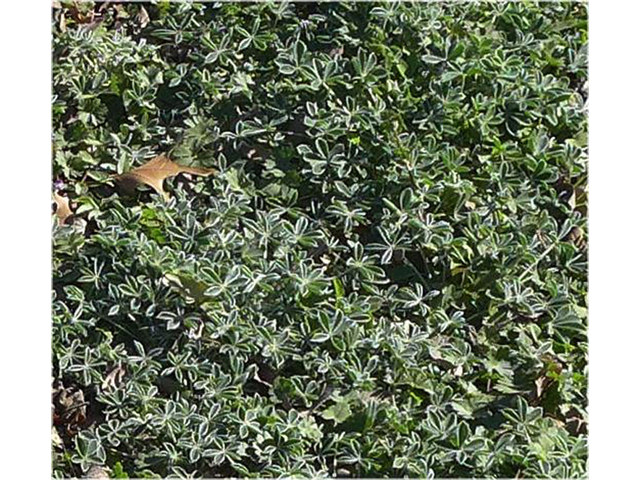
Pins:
<point x="339" y="412"/>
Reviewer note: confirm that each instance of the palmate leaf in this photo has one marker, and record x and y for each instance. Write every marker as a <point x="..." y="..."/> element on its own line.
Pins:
<point x="192" y="289"/>
<point x="567" y="322"/>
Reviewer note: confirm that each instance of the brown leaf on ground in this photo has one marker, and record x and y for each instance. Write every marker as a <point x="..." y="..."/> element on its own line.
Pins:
<point x="55" y="438"/>
<point x="143" y="17"/>
<point x="545" y="381"/>
<point x="542" y="384"/>
<point x="154" y="172"/>
<point x="576" y="425"/>
<point x="63" y="211"/>
<point x="81" y="13"/>
<point x="97" y="472"/>
<point x="114" y="378"/>
<point x="576" y="236"/>
<point x="69" y="408"/>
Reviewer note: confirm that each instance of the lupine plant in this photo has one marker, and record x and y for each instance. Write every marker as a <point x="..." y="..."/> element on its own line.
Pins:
<point x="386" y="274"/>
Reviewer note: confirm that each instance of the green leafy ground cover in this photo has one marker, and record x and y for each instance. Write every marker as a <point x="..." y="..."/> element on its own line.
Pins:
<point x="386" y="275"/>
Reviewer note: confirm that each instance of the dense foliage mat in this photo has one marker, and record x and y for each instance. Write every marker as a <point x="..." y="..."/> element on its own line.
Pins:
<point x="385" y="275"/>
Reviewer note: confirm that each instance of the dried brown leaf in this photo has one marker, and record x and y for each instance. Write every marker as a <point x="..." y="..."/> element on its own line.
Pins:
<point x="143" y="17"/>
<point x="113" y="379"/>
<point x="63" y="211"/>
<point x="546" y="381"/>
<point x="97" y="471"/>
<point x="541" y="385"/>
<point x="576" y="236"/>
<point x="69" y="409"/>
<point x="56" y="440"/>
<point x="154" y="172"/>
<point x="576" y="424"/>
<point x="89" y="27"/>
<point x="81" y="13"/>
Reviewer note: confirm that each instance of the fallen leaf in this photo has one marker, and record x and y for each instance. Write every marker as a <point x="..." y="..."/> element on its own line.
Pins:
<point x="69" y="408"/>
<point x="63" y="211"/>
<point x="576" y="424"/>
<point x="63" y="23"/>
<point x="546" y="382"/>
<point x="55" y="438"/>
<point x="91" y="26"/>
<point x="154" y="172"/>
<point x="81" y="14"/>
<point x="541" y="385"/>
<point x="143" y="17"/>
<point x="113" y="379"/>
<point x="576" y="236"/>
<point x="96" y="471"/>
